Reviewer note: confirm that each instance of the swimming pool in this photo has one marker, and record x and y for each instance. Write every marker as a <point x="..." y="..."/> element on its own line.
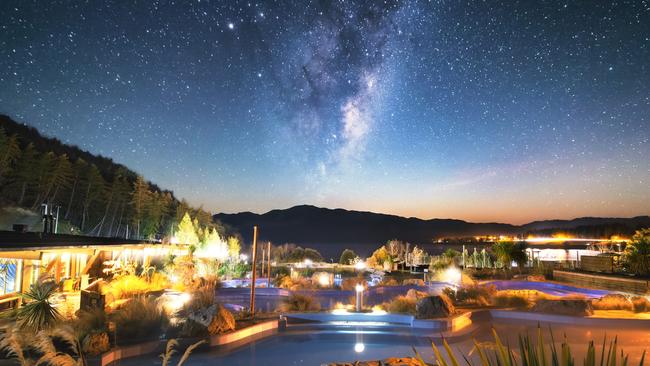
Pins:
<point x="550" y="288"/>
<point x="316" y="345"/>
<point x="268" y="299"/>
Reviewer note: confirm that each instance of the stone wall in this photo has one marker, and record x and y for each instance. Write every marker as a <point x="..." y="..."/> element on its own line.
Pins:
<point x="607" y="282"/>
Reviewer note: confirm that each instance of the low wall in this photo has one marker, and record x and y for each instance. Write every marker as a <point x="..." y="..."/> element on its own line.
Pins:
<point x="608" y="282"/>
<point x="155" y="347"/>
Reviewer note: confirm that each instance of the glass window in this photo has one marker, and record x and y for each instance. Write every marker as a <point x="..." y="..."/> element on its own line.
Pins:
<point x="9" y="276"/>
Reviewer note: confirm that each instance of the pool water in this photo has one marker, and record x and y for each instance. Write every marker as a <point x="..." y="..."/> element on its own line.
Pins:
<point x="346" y="344"/>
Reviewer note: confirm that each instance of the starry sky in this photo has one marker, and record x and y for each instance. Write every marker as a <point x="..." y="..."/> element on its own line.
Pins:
<point x="483" y="110"/>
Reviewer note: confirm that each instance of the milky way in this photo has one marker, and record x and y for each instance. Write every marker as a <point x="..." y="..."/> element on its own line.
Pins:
<point x="506" y="111"/>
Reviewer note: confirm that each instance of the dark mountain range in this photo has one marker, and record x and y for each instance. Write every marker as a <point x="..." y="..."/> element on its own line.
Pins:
<point x="331" y="230"/>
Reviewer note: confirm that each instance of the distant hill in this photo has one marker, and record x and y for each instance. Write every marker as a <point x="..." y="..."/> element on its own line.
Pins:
<point x="331" y="230"/>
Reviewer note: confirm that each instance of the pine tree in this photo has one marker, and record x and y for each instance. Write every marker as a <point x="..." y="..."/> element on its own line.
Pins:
<point x="61" y="178"/>
<point x="140" y="202"/>
<point x="93" y="192"/>
<point x="9" y="153"/>
<point x="22" y="180"/>
<point x="79" y="168"/>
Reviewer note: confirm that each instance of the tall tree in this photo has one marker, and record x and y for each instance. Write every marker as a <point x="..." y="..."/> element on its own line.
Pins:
<point x="140" y="202"/>
<point x="9" y="153"/>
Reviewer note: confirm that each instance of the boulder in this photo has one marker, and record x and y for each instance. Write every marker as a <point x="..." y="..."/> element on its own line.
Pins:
<point x="415" y="295"/>
<point x="573" y="307"/>
<point x="438" y="306"/>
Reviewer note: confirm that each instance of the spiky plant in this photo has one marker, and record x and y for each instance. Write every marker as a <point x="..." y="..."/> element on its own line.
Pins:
<point x="170" y="351"/>
<point x="531" y="353"/>
<point x="39" y="313"/>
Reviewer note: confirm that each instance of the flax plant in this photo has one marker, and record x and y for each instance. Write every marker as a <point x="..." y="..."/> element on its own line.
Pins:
<point x="531" y="353"/>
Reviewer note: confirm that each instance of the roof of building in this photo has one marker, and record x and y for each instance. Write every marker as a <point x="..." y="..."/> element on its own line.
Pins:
<point x="12" y="240"/>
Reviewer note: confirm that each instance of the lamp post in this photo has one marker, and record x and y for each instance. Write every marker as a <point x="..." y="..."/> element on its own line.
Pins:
<point x="254" y="275"/>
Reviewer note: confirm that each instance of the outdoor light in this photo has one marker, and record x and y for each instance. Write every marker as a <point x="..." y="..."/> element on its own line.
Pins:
<point x="359" y="347"/>
<point x="324" y="279"/>
<point x="359" y="298"/>
<point x="308" y="262"/>
<point x="244" y="258"/>
<point x="360" y="265"/>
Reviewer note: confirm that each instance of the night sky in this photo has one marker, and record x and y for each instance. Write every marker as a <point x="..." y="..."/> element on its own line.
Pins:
<point x="496" y="110"/>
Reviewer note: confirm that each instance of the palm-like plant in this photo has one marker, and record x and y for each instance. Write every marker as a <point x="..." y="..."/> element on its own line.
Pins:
<point x="39" y="312"/>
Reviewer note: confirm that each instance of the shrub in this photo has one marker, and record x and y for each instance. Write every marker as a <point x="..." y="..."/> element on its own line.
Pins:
<point x="640" y="304"/>
<point x="130" y="285"/>
<point x="510" y="300"/>
<point x="347" y="257"/>
<point x="612" y="302"/>
<point x="471" y="295"/>
<point x="299" y="302"/>
<point x="139" y="319"/>
<point x="91" y="321"/>
<point x="389" y="281"/>
<point x="401" y="304"/>
<point x="95" y="343"/>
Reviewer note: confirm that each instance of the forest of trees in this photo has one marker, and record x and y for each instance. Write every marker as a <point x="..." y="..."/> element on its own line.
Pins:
<point x="95" y="195"/>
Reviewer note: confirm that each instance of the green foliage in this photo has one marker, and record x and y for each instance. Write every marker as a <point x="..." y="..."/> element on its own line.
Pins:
<point x="531" y="353"/>
<point x="636" y="257"/>
<point x="39" y="313"/>
<point x="507" y="252"/>
<point x="347" y="257"/>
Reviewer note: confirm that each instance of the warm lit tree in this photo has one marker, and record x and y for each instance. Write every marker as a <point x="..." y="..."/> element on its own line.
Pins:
<point x="347" y="257"/>
<point x="637" y="253"/>
<point x="234" y="247"/>
<point x="186" y="231"/>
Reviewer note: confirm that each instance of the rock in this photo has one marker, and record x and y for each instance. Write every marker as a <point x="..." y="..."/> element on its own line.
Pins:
<point x="438" y="306"/>
<point x="223" y="321"/>
<point x="573" y="307"/>
<point x="204" y="316"/>
<point x="415" y="295"/>
<point x="95" y="343"/>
